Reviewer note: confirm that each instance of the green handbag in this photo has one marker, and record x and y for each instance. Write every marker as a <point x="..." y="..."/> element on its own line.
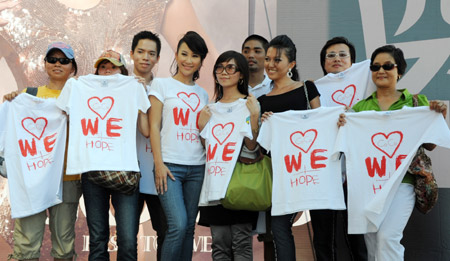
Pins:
<point x="250" y="187"/>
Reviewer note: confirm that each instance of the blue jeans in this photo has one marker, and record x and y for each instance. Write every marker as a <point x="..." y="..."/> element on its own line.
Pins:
<point x="96" y="200"/>
<point x="283" y="238"/>
<point x="180" y="204"/>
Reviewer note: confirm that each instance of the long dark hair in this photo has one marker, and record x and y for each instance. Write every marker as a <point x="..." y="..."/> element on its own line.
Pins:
<point x="197" y="45"/>
<point x="284" y="43"/>
<point x="241" y="66"/>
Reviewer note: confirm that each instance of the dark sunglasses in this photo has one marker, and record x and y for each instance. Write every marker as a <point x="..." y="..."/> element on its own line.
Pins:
<point x="53" y="60"/>
<point x="386" y="67"/>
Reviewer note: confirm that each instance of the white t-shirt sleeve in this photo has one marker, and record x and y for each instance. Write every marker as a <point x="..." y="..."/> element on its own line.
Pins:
<point x="63" y="101"/>
<point x="157" y="90"/>
<point x="3" y="120"/>
<point x="341" y="144"/>
<point x="246" y="129"/>
<point x="142" y="99"/>
<point x="265" y="135"/>
<point x="206" y="130"/>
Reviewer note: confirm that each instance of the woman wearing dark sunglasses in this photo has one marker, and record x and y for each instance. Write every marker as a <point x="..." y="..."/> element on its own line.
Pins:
<point x="59" y="63"/>
<point x="388" y="65"/>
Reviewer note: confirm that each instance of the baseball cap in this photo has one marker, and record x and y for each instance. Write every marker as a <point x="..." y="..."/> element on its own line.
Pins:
<point x="63" y="47"/>
<point x="112" y="56"/>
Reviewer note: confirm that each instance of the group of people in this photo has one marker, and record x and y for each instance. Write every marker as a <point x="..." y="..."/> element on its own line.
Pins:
<point x="172" y="115"/>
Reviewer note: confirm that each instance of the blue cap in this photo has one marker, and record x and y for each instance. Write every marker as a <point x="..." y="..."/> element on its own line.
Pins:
<point x="63" y="47"/>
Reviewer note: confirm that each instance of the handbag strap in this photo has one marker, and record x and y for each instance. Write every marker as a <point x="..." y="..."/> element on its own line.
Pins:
<point x="415" y="100"/>
<point x="308" y="105"/>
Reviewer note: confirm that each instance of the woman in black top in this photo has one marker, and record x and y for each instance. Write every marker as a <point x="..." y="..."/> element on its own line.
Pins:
<point x="288" y="93"/>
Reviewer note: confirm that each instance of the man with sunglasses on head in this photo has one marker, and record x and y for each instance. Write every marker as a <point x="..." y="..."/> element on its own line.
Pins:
<point x="344" y="84"/>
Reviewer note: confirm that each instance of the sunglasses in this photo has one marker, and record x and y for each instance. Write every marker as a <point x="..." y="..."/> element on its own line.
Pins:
<point x="53" y="60"/>
<point x="386" y="67"/>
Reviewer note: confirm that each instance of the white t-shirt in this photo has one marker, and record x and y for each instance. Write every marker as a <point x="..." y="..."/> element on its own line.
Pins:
<point x="379" y="147"/>
<point x="304" y="176"/>
<point x="262" y="88"/>
<point x="347" y="87"/>
<point x="145" y="157"/>
<point x="224" y="135"/>
<point x="180" y="138"/>
<point x="103" y="113"/>
<point x="32" y="140"/>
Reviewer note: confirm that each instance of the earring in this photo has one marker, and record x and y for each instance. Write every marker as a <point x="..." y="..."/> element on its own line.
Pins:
<point x="289" y="74"/>
<point x="241" y="81"/>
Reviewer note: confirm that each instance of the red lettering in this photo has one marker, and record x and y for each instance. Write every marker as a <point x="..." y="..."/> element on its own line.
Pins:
<point x="86" y="127"/>
<point x="210" y="154"/>
<point x="375" y="188"/>
<point x="179" y="116"/>
<point x="27" y="148"/>
<point x="315" y="158"/>
<point x="110" y="127"/>
<point x="376" y="167"/>
<point x="293" y="163"/>
<point x="196" y="121"/>
<point x="227" y="150"/>
<point x="49" y="142"/>
<point x="398" y="160"/>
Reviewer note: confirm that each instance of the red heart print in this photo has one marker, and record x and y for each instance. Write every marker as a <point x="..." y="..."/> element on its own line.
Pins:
<point x="222" y="132"/>
<point x="35" y="127"/>
<point x="388" y="144"/>
<point x="192" y="100"/>
<point x="345" y="97"/>
<point x="304" y="140"/>
<point x="101" y="107"/>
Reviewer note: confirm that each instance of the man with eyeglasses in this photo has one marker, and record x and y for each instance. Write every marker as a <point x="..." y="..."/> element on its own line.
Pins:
<point x="344" y="84"/>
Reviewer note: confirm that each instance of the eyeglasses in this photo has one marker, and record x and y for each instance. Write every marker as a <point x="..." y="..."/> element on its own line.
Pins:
<point x="53" y="60"/>
<point x="230" y="69"/>
<point x="334" y="55"/>
<point x="386" y="67"/>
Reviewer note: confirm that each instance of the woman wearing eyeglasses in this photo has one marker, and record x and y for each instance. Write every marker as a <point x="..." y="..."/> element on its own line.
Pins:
<point x="231" y="230"/>
<point x="388" y="65"/>
<point x="59" y="63"/>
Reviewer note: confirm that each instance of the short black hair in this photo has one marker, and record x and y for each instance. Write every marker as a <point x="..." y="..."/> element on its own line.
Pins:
<point x="241" y="67"/>
<point x="396" y="53"/>
<point x="197" y="45"/>
<point x="333" y="41"/>
<point x="146" y="35"/>
<point x="258" y="38"/>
